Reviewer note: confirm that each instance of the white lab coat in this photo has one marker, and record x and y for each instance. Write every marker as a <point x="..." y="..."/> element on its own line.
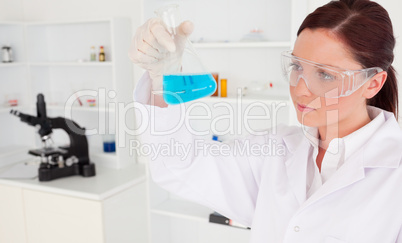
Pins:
<point x="361" y="202"/>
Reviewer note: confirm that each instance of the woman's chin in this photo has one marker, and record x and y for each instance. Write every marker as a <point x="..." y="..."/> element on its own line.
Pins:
<point x="307" y="119"/>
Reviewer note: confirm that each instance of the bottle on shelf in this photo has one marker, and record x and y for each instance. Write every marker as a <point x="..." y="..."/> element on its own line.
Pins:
<point x="216" y="77"/>
<point x="92" y="54"/>
<point x="224" y="87"/>
<point x="91" y="102"/>
<point x="7" y="54"/>
<point x="102" y="57"/>
<point x="11" y="99"/>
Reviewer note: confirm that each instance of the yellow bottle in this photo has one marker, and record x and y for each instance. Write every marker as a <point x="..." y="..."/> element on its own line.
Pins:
<point x="224" y="87"/>
<point x="102" y="57"/>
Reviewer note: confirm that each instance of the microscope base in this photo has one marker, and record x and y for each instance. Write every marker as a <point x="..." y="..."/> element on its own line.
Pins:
<point x="48" y="174"/>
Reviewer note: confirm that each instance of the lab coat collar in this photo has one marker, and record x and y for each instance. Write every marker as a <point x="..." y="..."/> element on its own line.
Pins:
<point x="387" y="139"/>
<point x="350" y="143"/>
<point x="383" y="149"/>
<point x="294" y="141"/>
<point x="357" y="139"/>
<point x="296" y="164"/>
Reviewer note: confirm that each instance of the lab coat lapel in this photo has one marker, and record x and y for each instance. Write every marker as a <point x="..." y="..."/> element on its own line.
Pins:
<point x="351" y="172"/>
<point x="383" y="150"/>
<point x="296" y="164"/>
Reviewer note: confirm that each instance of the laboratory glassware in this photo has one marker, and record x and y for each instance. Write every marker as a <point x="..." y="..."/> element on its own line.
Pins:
<point x="7" y="54"/>
<point x="185" y="78"/>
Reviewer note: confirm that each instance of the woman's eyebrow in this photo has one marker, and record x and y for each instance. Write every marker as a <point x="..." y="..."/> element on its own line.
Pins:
<point x="319" y="64"/>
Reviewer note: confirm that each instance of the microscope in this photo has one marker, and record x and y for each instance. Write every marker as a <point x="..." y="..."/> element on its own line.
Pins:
<point x="62" y="161"/>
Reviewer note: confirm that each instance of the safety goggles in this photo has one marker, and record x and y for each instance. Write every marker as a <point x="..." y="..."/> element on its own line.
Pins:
<point x="323" y="80"/>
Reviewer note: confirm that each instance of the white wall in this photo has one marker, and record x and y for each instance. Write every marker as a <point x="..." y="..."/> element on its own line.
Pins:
<point x="43" y="10"/>
<point x="11" y="10"/>
<point x="35" y="10"/>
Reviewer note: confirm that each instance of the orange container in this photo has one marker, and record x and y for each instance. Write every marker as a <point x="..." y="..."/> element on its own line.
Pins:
<point x="216" y="77"/>
<point x="224" y="87"/>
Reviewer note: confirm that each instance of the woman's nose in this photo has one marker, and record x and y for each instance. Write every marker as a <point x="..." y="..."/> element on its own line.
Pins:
<point x="301" y="87"/>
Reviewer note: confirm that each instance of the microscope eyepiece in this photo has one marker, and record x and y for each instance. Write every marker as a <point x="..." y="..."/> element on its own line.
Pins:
<point x="15" y="113"/>
<point x="41" y="106"/>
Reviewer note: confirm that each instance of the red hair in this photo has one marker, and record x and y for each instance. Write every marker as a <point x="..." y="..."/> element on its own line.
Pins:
<point x="366" y="29"/>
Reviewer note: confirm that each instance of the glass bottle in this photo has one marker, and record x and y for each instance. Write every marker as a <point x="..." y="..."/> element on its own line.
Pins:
<point x="102" y="57"/>
<point x="93" y="54"/>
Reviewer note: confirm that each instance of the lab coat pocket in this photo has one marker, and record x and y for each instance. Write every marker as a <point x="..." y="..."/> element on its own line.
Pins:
<point x="330" y="239"/>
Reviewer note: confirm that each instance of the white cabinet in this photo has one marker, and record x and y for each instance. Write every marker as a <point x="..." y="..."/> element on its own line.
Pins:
<point x="53" y="58"/>
<point x="219" y="29"/>
<point x="12" y="226"/>
<point x="107" y="208"/>
<point x="57" y="218"/>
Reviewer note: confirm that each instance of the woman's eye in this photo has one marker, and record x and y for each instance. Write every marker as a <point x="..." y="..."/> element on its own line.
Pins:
<point x="295" y="67"/>
<point x="326" y="76"/>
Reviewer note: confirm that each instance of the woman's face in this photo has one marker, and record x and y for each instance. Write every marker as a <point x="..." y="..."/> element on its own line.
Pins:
<point x="322" y="47"/>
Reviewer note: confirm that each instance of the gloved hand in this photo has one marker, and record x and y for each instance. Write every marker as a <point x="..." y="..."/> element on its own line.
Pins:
<point x="154" y="49"/>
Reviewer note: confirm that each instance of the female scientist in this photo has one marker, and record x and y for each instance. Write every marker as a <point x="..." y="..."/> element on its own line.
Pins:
<point x="340" y="178"/>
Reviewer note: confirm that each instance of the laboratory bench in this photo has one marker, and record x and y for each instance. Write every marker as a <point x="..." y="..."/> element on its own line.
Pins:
<point x="109" y="207"/>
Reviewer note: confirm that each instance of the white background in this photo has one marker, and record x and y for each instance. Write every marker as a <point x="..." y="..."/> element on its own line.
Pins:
<point x="45" y="10"/>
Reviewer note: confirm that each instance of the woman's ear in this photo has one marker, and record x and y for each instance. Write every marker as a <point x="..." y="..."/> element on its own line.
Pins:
<point x="375" y="84"/>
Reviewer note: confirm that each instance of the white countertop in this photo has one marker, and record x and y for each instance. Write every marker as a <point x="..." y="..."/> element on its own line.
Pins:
<point x="104" y="184"/>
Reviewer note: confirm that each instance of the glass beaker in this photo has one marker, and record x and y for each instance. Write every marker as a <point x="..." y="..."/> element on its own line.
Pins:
<point x="109" y="143"/>
<point x="184" y="78"/>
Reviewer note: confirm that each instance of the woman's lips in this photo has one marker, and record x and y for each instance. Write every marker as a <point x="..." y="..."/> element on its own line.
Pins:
<point x="304" y="108"/>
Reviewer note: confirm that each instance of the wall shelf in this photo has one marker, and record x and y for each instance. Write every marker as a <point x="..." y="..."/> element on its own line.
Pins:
<point x="10" y="23"/>
<point x="245" y="99"/>
<point x="22" y="108"/>
<point x="71" y="64"/>
<point x="7" y="109"/>
<point x="69" y="22"/>
<point x="81" y="108"/>
<point x="225" y="45"/>
<point x="13" y="64"/>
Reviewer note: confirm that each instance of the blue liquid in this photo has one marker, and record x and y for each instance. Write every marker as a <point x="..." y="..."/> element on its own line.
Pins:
<point x="109" y="147"/>
<point x="180" y="88"/>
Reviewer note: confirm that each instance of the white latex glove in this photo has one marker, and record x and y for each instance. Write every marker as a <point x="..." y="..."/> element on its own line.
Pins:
<point x="154" y="49"/>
